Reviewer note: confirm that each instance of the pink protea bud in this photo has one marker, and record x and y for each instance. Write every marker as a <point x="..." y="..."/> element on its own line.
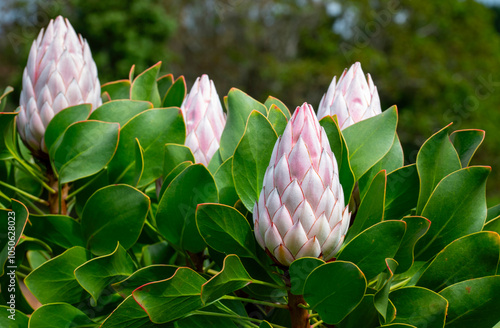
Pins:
<point x="300" y="211"/>
<point x="353" y="99"/>
<point x="60" y="73"/>
<point x="204" y="119"/>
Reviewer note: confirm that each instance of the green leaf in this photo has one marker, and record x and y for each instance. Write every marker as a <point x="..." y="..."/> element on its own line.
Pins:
<point x="143" y="276"/>
<point x="339" y="148"/>
<point x="16" y="218"/>
<point x="164" y="83"/>
<point x="398" y="325"/>
<point x="215" y="162"/>
<point x="265" y="324"/>
<point x="369" y="140"/>
<point x="115" y="213"/>
<point x="175" y="217"/>
<point x="12" y="318"/>
<point x="251" y="158"/>
<point x="64" y="230"/>
<point x="436" y="159"/>
<point x="391" y="161"/>
<point x="144" y="86"/>
<point x="419" y="307"/>
<point x="270" y="101"/>
<point x="402" y="192"/>
<point x="472" y="256"/>
<point x="175" y="94"/>
<point x="225" y="183"/>
<point x="239" y="107"/>
<point x="299" y="270"/>
<point x="7" y="136"/>
<point x="156" y="253"/>
<point x="371" y="209"/>
<point x="3" y="97"/>
<point x="97" y="274"/>
<point x="62" y="120"/>
<point x="36" y="258"/>
<point x="154" y="128"/>
<point x="225" y="229"/>
<point x="172" y="175"/>
<point x="337" y="298"/>
<point x="456" y="208"/>
<point x="85" y="149"/>
<point x="54" y="281"/>
<point x="60" y="315"/>
<point x="473" y="303"/>
<point x="493" y="212"/>
<point x="15" y="295"/>
<point x="180" y="294"/>
<point x="381" y="298"/>
<point x="117" y="89"/>
<point x="277" y="119"/>
<point x="174" y="155"/>
<point x="118" y="111"/>
<point x="466" y="143"/>
<point x="139" y="163"/>
<point x="207" y="320"/>
<point x="370" y="248"/>
<point x="232" y="277"/>
<point x="493" y="225"/>
<point x="416" y="227"/>
<point x="364" y="315"/>
<point x="128" y="314"/>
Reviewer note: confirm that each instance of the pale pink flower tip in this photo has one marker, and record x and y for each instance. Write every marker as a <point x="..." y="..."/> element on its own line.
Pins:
<point x="60" y="73"/>
<point x="353" y="98"/>
<point x="204" y="119"/>
<point x="300" y="211"/>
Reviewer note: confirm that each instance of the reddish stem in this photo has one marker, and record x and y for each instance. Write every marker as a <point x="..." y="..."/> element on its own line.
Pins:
<point x="299" y="315"/>
<point x="54" y="198"/>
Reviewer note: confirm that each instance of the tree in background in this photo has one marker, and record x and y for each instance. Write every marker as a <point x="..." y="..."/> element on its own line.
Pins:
<point x="438" y="61"/>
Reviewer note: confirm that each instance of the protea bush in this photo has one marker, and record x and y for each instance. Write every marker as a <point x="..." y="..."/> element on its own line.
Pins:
<point x="253" y="225"/>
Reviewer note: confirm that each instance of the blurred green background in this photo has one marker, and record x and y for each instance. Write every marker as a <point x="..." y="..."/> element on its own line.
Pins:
<point x="438" y="61"/>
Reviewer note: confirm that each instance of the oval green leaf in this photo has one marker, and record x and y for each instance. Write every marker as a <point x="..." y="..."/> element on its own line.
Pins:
<point x="239" y="107"/>
<point x="114" y="214"/>
<point x="86" y="148"/>
<point x="251" y="158"/>
<point x="436" y="159"/>
<point x="180" y="294"/>
<point x="60" y="122"/>
<point x="154" y="128"/>
<point x="342" y="294"/>
<point x="369" y="140"/>
<point x="469" y="257"/>
<point x="456" y="208"/>
<point x="97" y="274"/>
<point x="232" y="277"/>
<point x="419" y="307"/>
<point x="119" y="111"/>
<point x="473" y="303"/>
<point x="369" y="249"/>
<point x="54" y="281"/>
<point x="225" y="229"/>
<point x="175" y="217"/>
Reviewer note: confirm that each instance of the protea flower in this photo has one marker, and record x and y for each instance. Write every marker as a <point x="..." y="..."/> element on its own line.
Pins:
<point x="204" y="119"/>
<point x="60" y="73"/>
<point x="301" y="210"/>
<point x="353" y="99"/>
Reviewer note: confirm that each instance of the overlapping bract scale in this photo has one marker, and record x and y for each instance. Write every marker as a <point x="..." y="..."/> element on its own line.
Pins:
<point x="353" y="98"/>
<point x="60" y="73"/>
<point x="300" y="211"/>
<point x="204" y="118"/>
